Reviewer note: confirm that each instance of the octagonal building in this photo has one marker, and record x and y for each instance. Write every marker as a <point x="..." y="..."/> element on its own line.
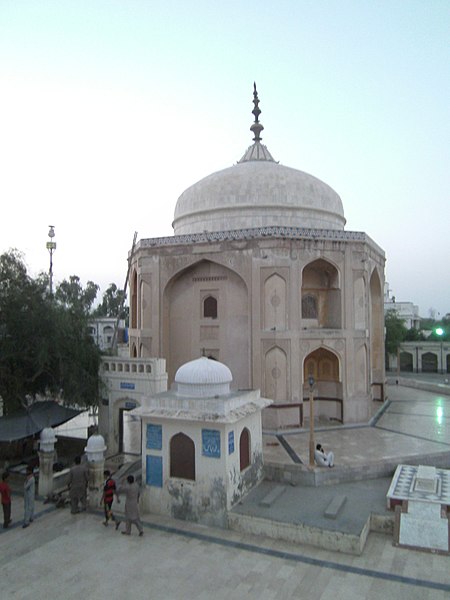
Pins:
<point x="261" y="275"/>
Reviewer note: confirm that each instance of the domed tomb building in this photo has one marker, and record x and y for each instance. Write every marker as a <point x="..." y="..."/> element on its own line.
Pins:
<point x="261" y="275"/>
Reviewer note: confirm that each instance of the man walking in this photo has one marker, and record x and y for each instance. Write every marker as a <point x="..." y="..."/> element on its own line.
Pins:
<point x="78" y="480"/>
<point x="5" y="492"/>
<point x="28" y="497"/>
<point x="131" y="491"/>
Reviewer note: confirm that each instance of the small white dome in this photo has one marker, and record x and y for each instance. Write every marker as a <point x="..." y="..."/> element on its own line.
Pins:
<point x="203" y="378"/>
<point x="47" y="440"/>
<point x="95" y="448"/>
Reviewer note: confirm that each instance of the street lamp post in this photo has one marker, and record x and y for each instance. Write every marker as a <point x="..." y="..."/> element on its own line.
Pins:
<point x="311" y="421"/>
<point x="440" y="332"/>
<point x="51" y="247"/>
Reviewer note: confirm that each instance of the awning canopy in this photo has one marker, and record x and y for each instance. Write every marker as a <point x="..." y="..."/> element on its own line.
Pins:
<point x="27" y="422"/>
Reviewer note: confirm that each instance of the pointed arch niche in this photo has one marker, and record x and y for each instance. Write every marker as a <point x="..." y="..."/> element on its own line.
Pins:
<point x="182" y="457"/>
<point x="274" y="305"/>
<point x="276" y="375"/>
<point x="376" y="331"/>
<point x="321" y="296"/>
<point x="134" y="301"/>
<point x="324" y="366"/>
<point x="205" y="310"/>
<point x="145" y="305"/>
<point x="244" y="449"/>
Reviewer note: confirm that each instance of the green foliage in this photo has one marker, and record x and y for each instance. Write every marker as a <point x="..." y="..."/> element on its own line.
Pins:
<point x="71" y="295"/>
<point x="45" y="347"/>
<point x="395" y="331"/>
<point x="112" y="304"/>
<point x="414" y="335"/>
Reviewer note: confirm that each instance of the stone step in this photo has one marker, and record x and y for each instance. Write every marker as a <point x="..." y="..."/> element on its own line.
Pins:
<point x="332" y="510"/>
<point x="270" y="498"/>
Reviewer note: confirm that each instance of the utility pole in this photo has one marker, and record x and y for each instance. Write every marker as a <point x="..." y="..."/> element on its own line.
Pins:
<point x="51" y="247"/>
<point x="114" y="341"/>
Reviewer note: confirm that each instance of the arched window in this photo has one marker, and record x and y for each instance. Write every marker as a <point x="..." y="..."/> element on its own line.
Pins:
<point x="182" y="457"/>
<point x="244" y="449"/>
<point x="309" y="307"/>
<point x="210" y="307"/>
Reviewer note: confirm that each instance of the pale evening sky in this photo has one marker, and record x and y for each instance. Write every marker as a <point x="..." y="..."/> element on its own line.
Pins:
<point x="111" y="108"/>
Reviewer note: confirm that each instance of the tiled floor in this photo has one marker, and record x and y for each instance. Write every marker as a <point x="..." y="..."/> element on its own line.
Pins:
<point x="73" y="556"/>
<point x="65" y="556"/>
<point x="416" y="422"/>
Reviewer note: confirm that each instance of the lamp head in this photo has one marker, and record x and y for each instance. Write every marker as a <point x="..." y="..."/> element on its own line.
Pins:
<point x="311" y="381"/>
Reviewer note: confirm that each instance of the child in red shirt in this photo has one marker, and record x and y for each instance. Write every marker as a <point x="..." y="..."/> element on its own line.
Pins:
<point x="5" y="492"/>
<point x="109" y="490"/>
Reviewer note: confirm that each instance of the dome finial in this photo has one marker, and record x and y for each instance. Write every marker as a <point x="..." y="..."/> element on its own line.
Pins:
<point x="256" y="127"/>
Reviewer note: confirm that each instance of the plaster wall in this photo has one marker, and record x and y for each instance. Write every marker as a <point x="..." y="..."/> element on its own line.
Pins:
<point x="124" y="382"/>
<point x="219" y="482"/>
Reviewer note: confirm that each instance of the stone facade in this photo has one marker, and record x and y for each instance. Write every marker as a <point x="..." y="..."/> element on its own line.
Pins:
<point x="275" y="305"/>
<point x="261" y="275"/>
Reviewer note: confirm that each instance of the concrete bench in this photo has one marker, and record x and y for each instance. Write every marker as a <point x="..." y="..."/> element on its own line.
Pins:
<point x="332" y="510"/>
<point x="270" y="498"/>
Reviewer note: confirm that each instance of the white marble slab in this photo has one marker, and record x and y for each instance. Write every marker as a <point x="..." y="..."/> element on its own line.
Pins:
<point x="404" y="486"/>
<point x="423" y="527"/>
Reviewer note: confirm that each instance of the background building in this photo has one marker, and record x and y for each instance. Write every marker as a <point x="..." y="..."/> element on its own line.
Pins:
<point x="102" y="331"/>
<point x="407" y="311"/>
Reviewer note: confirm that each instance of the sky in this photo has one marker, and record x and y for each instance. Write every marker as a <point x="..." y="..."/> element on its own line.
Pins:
<point x="110" y="109"/>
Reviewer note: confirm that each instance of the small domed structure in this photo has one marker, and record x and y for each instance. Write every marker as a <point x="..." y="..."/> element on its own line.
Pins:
<point x="47" y="440"/>
<point x="95" y="448"/>
<point x="203" y="378"/>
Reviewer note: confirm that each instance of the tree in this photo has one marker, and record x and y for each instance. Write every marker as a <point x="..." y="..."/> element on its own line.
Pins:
<point x="395" y="331"/>
<point x="414" y="335"/>
<point x="112" y="304"/>
<point x="71" y="295"/>
<point x="45" y="347"/>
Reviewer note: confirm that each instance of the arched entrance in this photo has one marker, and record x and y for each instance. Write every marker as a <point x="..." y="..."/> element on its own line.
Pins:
<point x="323" y="365"/>
<point x="205" y="311"/>
<point x="376" y="336"/>
<point x="429" y="362"/>
<point x="129" y="427"/>
<point x="406" y="362"/>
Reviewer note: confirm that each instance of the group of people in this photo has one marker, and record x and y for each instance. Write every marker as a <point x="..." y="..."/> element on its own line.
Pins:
<point x="78" y="483"/>
<point x="131" y="491"/>
<point x="29" y="487"/>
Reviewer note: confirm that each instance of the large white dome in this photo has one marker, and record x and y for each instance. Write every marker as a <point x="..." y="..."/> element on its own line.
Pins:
<point x="257" y="192"/>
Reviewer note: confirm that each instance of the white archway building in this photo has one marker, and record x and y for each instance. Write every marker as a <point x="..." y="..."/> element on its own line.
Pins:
<point x="261" y="275"/>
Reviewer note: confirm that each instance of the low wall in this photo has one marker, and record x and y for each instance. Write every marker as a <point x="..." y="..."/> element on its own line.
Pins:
<point x="426" y="386"/>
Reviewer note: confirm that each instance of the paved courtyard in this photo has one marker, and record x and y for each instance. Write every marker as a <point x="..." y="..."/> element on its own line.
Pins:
<point x="75" y="556"/>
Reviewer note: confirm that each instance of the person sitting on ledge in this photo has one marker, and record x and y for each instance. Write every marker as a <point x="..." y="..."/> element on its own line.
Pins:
<point x="322" y="458"/>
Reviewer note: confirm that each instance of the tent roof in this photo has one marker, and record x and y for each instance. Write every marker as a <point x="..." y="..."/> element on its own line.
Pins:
<point x="27" y="422"/>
